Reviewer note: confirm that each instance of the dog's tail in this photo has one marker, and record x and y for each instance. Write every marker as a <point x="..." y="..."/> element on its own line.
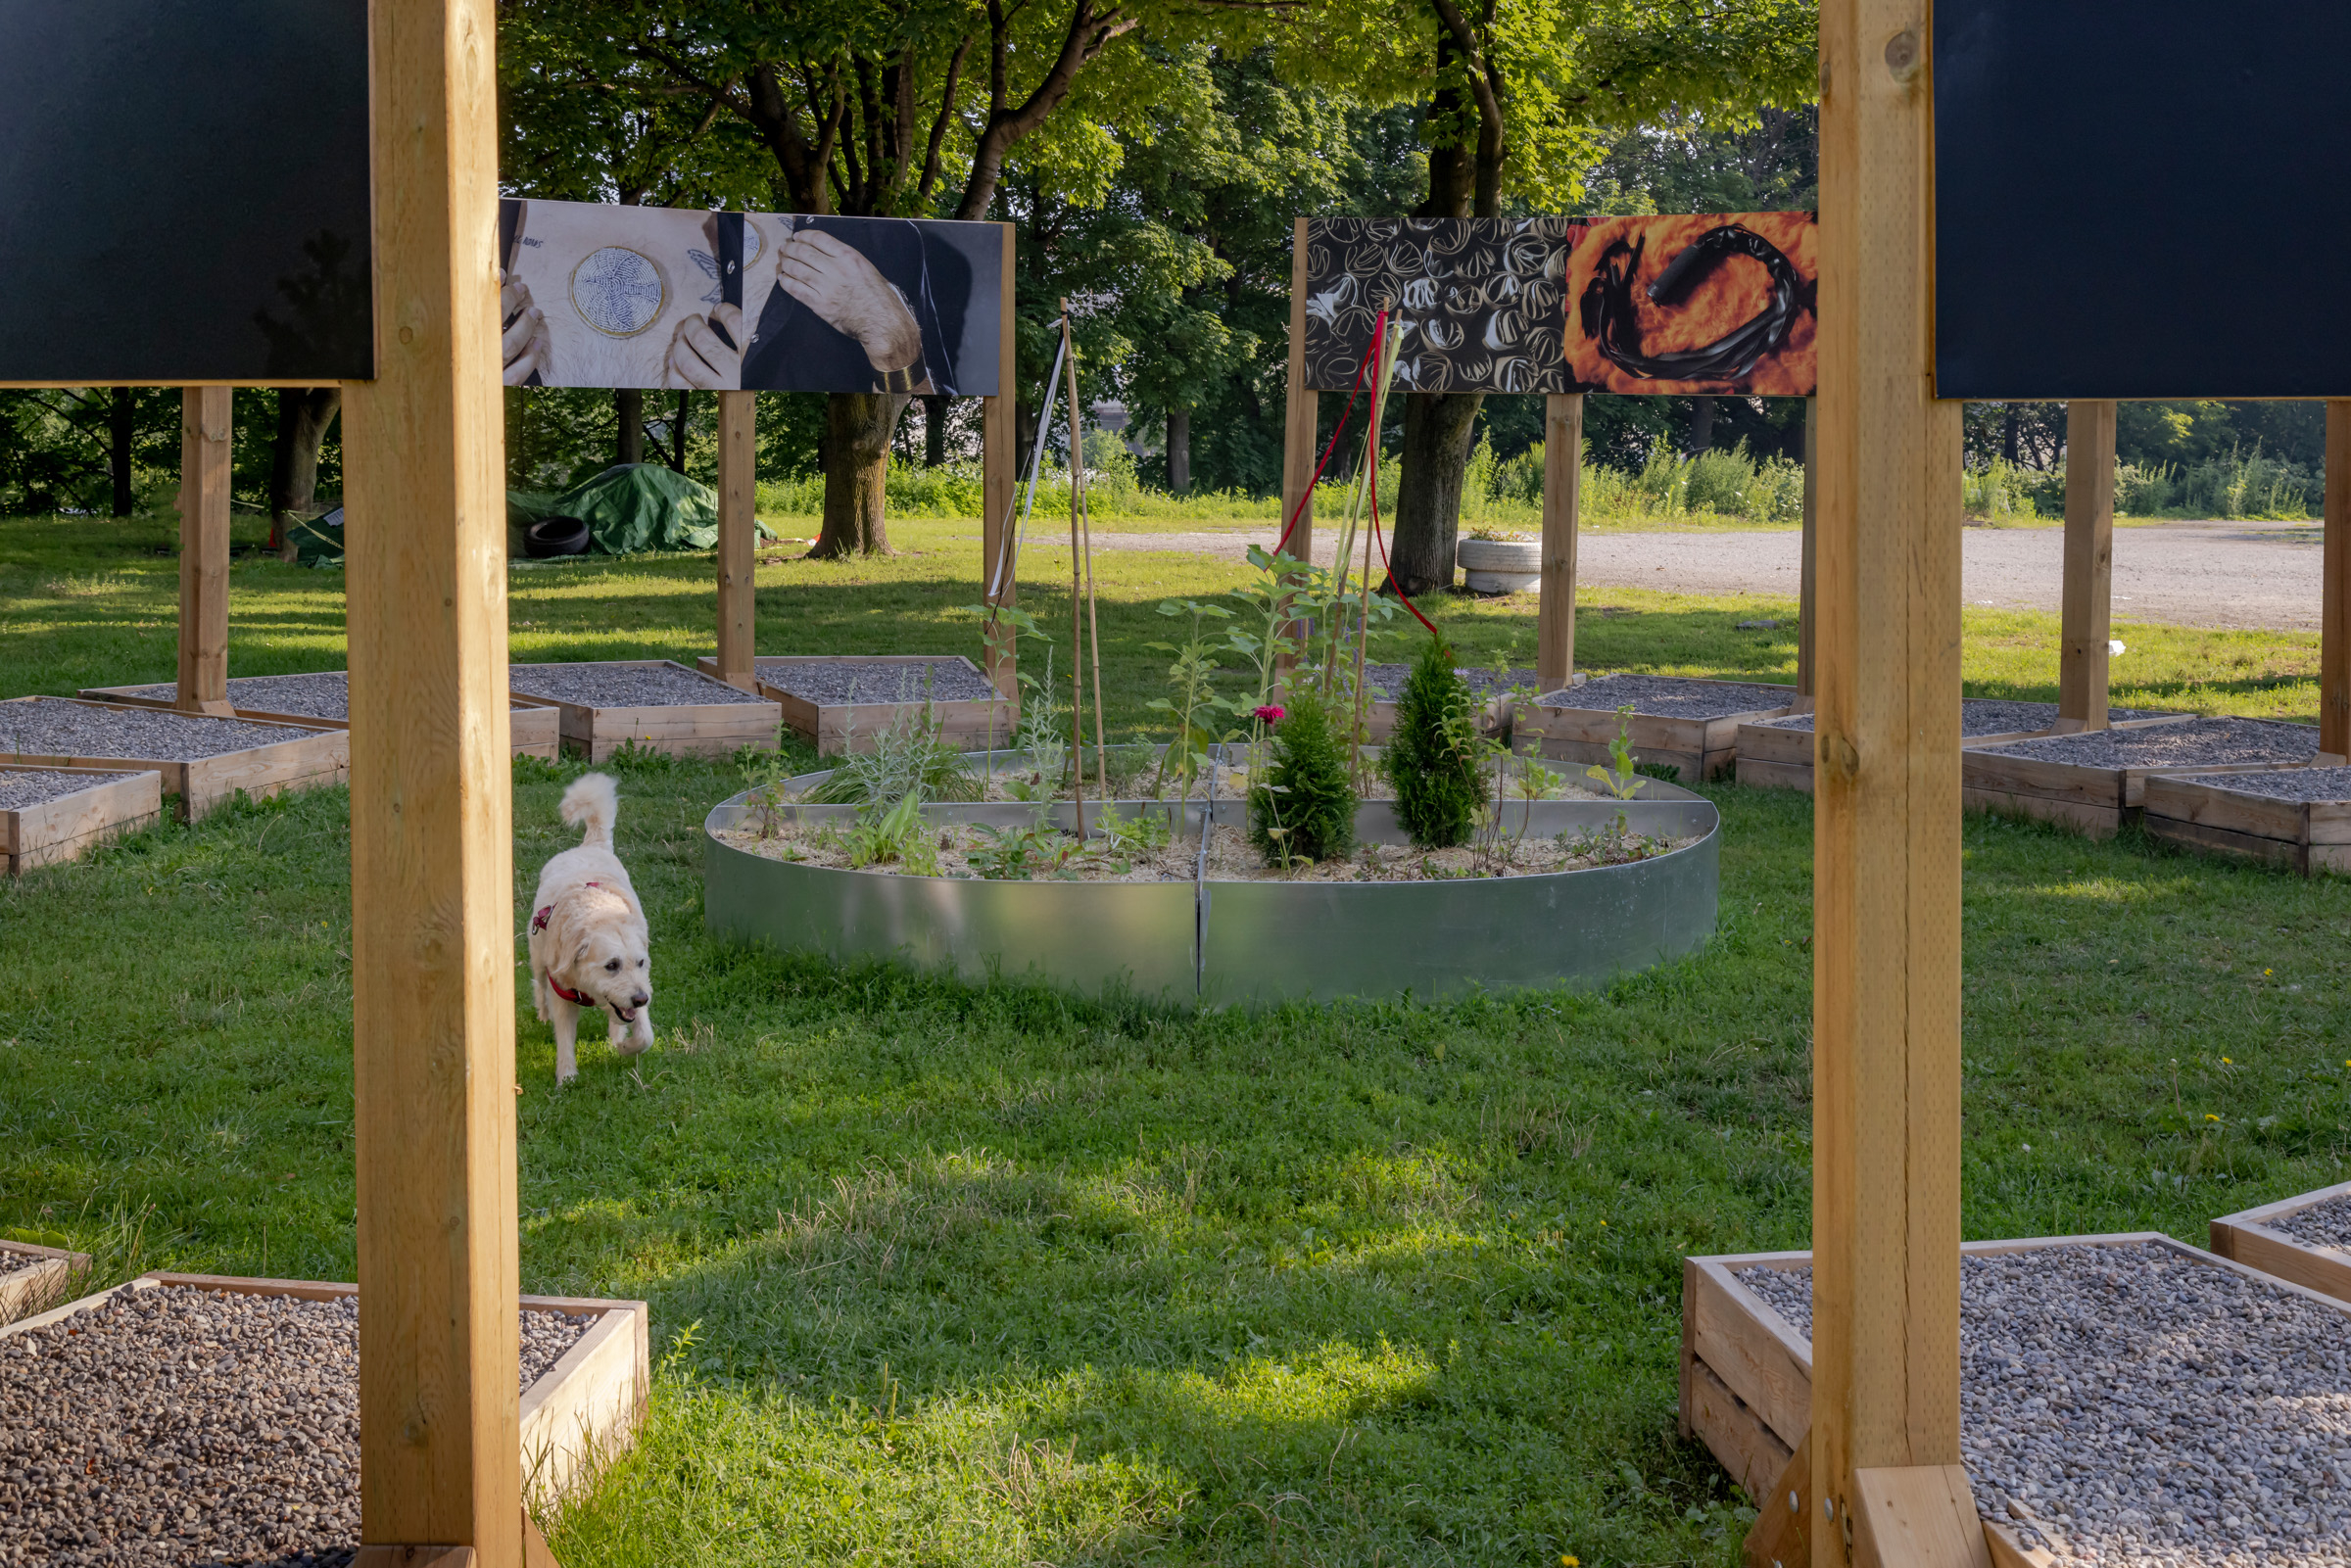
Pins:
<point x="592" y="803"/>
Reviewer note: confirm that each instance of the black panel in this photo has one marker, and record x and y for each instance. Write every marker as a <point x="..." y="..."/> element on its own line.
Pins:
<point x="2141" y="199"/>
<point x="184" y="190"/>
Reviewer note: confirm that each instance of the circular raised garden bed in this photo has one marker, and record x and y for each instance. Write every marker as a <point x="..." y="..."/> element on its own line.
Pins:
<point x="1262" y="940"/>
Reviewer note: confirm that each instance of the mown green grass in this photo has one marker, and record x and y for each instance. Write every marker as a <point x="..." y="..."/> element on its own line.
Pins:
<point x="945" y="1275"/>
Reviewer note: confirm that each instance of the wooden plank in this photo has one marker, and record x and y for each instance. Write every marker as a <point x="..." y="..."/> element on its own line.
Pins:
<point x="1755" y="1353"/>
<point x="588" y="1405"/>
<point x="68" y="826"/>
<point x="415" y="1557"/>
<point x="2093" y="822"/>
<point x="1765" y="743"/>
<point x="2087" y="593"/>
<point x="1740" y="1440"/>
<point x="2008" y="1552"/>
<point x="2257" y="847"/>
<point x="27" y="1288"/>
<point x="2335" y="592"/>
<point x="1916" y="1516"/>
<point x="1781" y="1535"/>
<point x="1299" y="414"/>
<point x="205" y="418"/>
<point x="1759" y="774"/>
<point x="1562" y="490"/>
<point x="431" y="820"/>
<point x="1000" y="449"/>
<point x="738" y="533"/>
<point x="2264" y="1213"/>
<point x="1887" y="821"/>
<point x="1809" y="571"/>
<point x="2325" y="1270"/>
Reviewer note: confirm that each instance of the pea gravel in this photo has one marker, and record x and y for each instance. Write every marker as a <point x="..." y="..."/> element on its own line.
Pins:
<point x="2213" y="743"/>
<point x="2322" y="1224"/>
<point x="320" y="694"/>
<point x="1387" y="680"/>
<point x="2125" y="1404"/>
<point x="29" y="786"/>
<point x="837" y="682"/>
<point x="2292" y="784"/>
<point x="10" y="1262"/>
<point x="1989" y="716"/>
<point x="52" y="727"/>
<point x="622" y="686"/>
<point x="176" y="1426"/>
<point x="1666" y="697"/>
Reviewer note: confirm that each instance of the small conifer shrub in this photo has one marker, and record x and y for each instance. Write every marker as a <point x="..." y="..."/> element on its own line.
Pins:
<point x="1433" y="758"/>
<point x="1304" y="808"/>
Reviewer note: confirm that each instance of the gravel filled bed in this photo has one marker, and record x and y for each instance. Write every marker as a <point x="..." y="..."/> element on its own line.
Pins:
<point x="323" y="694"/>
<point x="2212" y="742"/>
<point x="55" y="727"/>
<point x="2293" y="784"/>
<point x="1666" y="696"/>
<point x="1387" y="680"/>
<point x="2322" y="1224"/>
<point x="622" y="686"/>
<point x="10" y="1262"/>
<point x="188" y="1427"/>
<point x="2129" y="1405"/>
<point x="1991" y="716"/>
<point x="838" y="683"/>
<point x="29" y="786"/>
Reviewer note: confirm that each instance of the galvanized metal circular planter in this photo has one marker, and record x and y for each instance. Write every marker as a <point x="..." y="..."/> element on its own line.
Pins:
<point x="1242" y="941"/>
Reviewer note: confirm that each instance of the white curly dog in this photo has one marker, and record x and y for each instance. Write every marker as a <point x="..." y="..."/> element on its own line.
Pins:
<point x="590" y="946"/>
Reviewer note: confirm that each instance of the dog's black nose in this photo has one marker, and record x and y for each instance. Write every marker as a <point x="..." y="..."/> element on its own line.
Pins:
<point x="638" y="999"/>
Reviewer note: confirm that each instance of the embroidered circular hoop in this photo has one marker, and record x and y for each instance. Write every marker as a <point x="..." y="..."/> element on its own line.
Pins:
<point x="618" y="292"/>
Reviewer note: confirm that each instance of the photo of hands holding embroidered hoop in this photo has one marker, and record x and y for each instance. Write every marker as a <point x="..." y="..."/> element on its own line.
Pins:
<point x="595" y="295"/>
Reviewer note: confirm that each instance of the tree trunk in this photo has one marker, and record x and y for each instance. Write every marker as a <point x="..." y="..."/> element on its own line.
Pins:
<point x="858" y="426"/>
<point x="304" y="415"/>
<point x="934" y="431"/>
<point x="1437" y="427"/>
<point x="1179" y="451"/>
<point x="2008" y="424"/>
<point x="1702" y="425"/>
<point x="629" y="404"/>
<point x="676" y="457"/>
<point x="118" y="451"/>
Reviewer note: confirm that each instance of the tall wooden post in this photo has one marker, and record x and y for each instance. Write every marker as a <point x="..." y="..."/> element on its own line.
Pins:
<point x="1298" y="414"/>
<point x="1000" y="476"/>
<point x="205" y="414"/>
<point x="2087" y="594"/>
<point x="738" y="537"/>
<point x="1885" y="878"/>
<point x="1563" y="491"/>
<point x="1807" y="591"/>
<point x="431" y="829"/>
<point x="2334" y="598"/>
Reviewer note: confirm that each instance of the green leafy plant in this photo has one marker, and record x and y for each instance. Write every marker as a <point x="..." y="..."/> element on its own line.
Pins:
<point x="1303" y="808"/>
<point x="1435" y="757"/>
<point x="895" y="836"/>
<point x="1042" y="739"/>
<point x="1019" y="854"/>
<point x="911" y="758"/>
<point x="1144" y="833"/>
<point x="1194" y="704"/>
<point x="766" y="772"/>
<point x="1623" y="780"/>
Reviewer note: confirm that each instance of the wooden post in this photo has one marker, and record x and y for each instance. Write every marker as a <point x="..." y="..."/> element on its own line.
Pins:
<point x="738" y="537"/>
<point x="431" y="825"/>
<point x="1298" y="414"/>
<point x="2088" y="596"/>
<point x="2335" y="598"/>
<point x="1000" y="476"/>
<point x="205" y="414"/>
<point x="1562" y="488"/>
<point x="1807" y="592"/>
<point x="1886" y="827"/>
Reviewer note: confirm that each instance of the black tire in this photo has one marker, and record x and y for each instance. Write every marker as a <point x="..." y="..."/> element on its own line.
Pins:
<point x="555" y="535"/>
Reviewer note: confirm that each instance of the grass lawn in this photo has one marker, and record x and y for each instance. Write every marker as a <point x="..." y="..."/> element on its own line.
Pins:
<point x="945" y="1275"/>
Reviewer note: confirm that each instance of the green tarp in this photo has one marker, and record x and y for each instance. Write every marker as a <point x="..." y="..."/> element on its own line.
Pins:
<point x="631" y="507"/>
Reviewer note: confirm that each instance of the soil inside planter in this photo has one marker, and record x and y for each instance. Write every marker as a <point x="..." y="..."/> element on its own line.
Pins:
<point x="2212" y="742"/>
<point x="841" y="683"/>
<point x="30" y="786"/>
<point x="1023" y="854"/>
<point x="1989" y="716"/>
<point x="1666" y="697"/>
<point x="2288" y="783"/>
<point x="622" y="686"/>
<point x="1132" y="775"/>
<point x="2216" y="1408"/>
<point x="56" y="727"/>
<point x="2322" y="1224"/>
<point x="196" y="1427"/>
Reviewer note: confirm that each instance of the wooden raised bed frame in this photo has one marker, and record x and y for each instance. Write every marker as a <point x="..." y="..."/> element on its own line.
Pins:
<point x="31" y="1289"/>
<point x="2248" y="1237"/>
<point x="1701" y="748"/>
<point x="2096" y="801"/>
<point x="2308" y="835"/>
<point x="1782" y="758"/>
<point x="534" y="727"/>
<point x="1746" y="1374"/>
<point x="581" y="1411"/>
<point x="682" y="728"/>
<point x="310" y="756"/>
<point x="116" y="800"/>
<point x="851" y="726"/>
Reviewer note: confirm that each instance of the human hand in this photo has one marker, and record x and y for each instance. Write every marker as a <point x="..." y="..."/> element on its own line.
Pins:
<point x="524" y="345"/>
<point x="699" y="358"/>
<point x="846" y="291"/>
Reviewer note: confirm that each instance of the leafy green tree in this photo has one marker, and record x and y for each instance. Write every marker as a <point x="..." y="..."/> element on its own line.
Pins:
<point x="1432" y="757"/>
<point x="1303" y="809"/>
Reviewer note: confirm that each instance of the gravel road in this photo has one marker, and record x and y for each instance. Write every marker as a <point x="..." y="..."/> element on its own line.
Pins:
<point x="2182" y="574"/>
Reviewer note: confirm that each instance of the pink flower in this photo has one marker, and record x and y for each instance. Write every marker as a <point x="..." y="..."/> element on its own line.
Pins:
<point x="1271" y="713"/>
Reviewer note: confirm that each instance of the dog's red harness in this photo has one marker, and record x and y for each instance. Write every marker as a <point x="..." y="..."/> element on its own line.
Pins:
<point x="539" y="921"/>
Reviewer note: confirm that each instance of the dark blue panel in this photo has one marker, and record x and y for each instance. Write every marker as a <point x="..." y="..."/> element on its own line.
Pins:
<point x="2141" y="199"/>
<point x="184" y="191"/>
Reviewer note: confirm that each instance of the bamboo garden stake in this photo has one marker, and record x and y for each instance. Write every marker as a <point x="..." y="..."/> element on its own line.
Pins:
<point x="1363" y="620"/>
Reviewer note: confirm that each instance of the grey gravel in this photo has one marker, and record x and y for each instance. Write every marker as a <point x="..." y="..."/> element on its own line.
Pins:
<point x="1991" y="716"/>
<point x="29" y="786"/>
<point x="54" y="726"/>
<point x="178" y="1426"/>
<point x="320" y="694"/>
<point x="1667" y="696"/>
<point x="2213" y="741"/>
<point x="1387" y="680"/>
<point x="2292" y="784"/>
<point x="2129" y="1405"/>
<point x="622" y="686"/>
<point x="838" y="683"/>
<point x="10" y="1262"/>
<point x="2322" y="1224"/>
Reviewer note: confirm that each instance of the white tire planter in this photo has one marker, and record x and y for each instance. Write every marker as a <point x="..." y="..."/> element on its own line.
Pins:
<point x="1499" y="565"/>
